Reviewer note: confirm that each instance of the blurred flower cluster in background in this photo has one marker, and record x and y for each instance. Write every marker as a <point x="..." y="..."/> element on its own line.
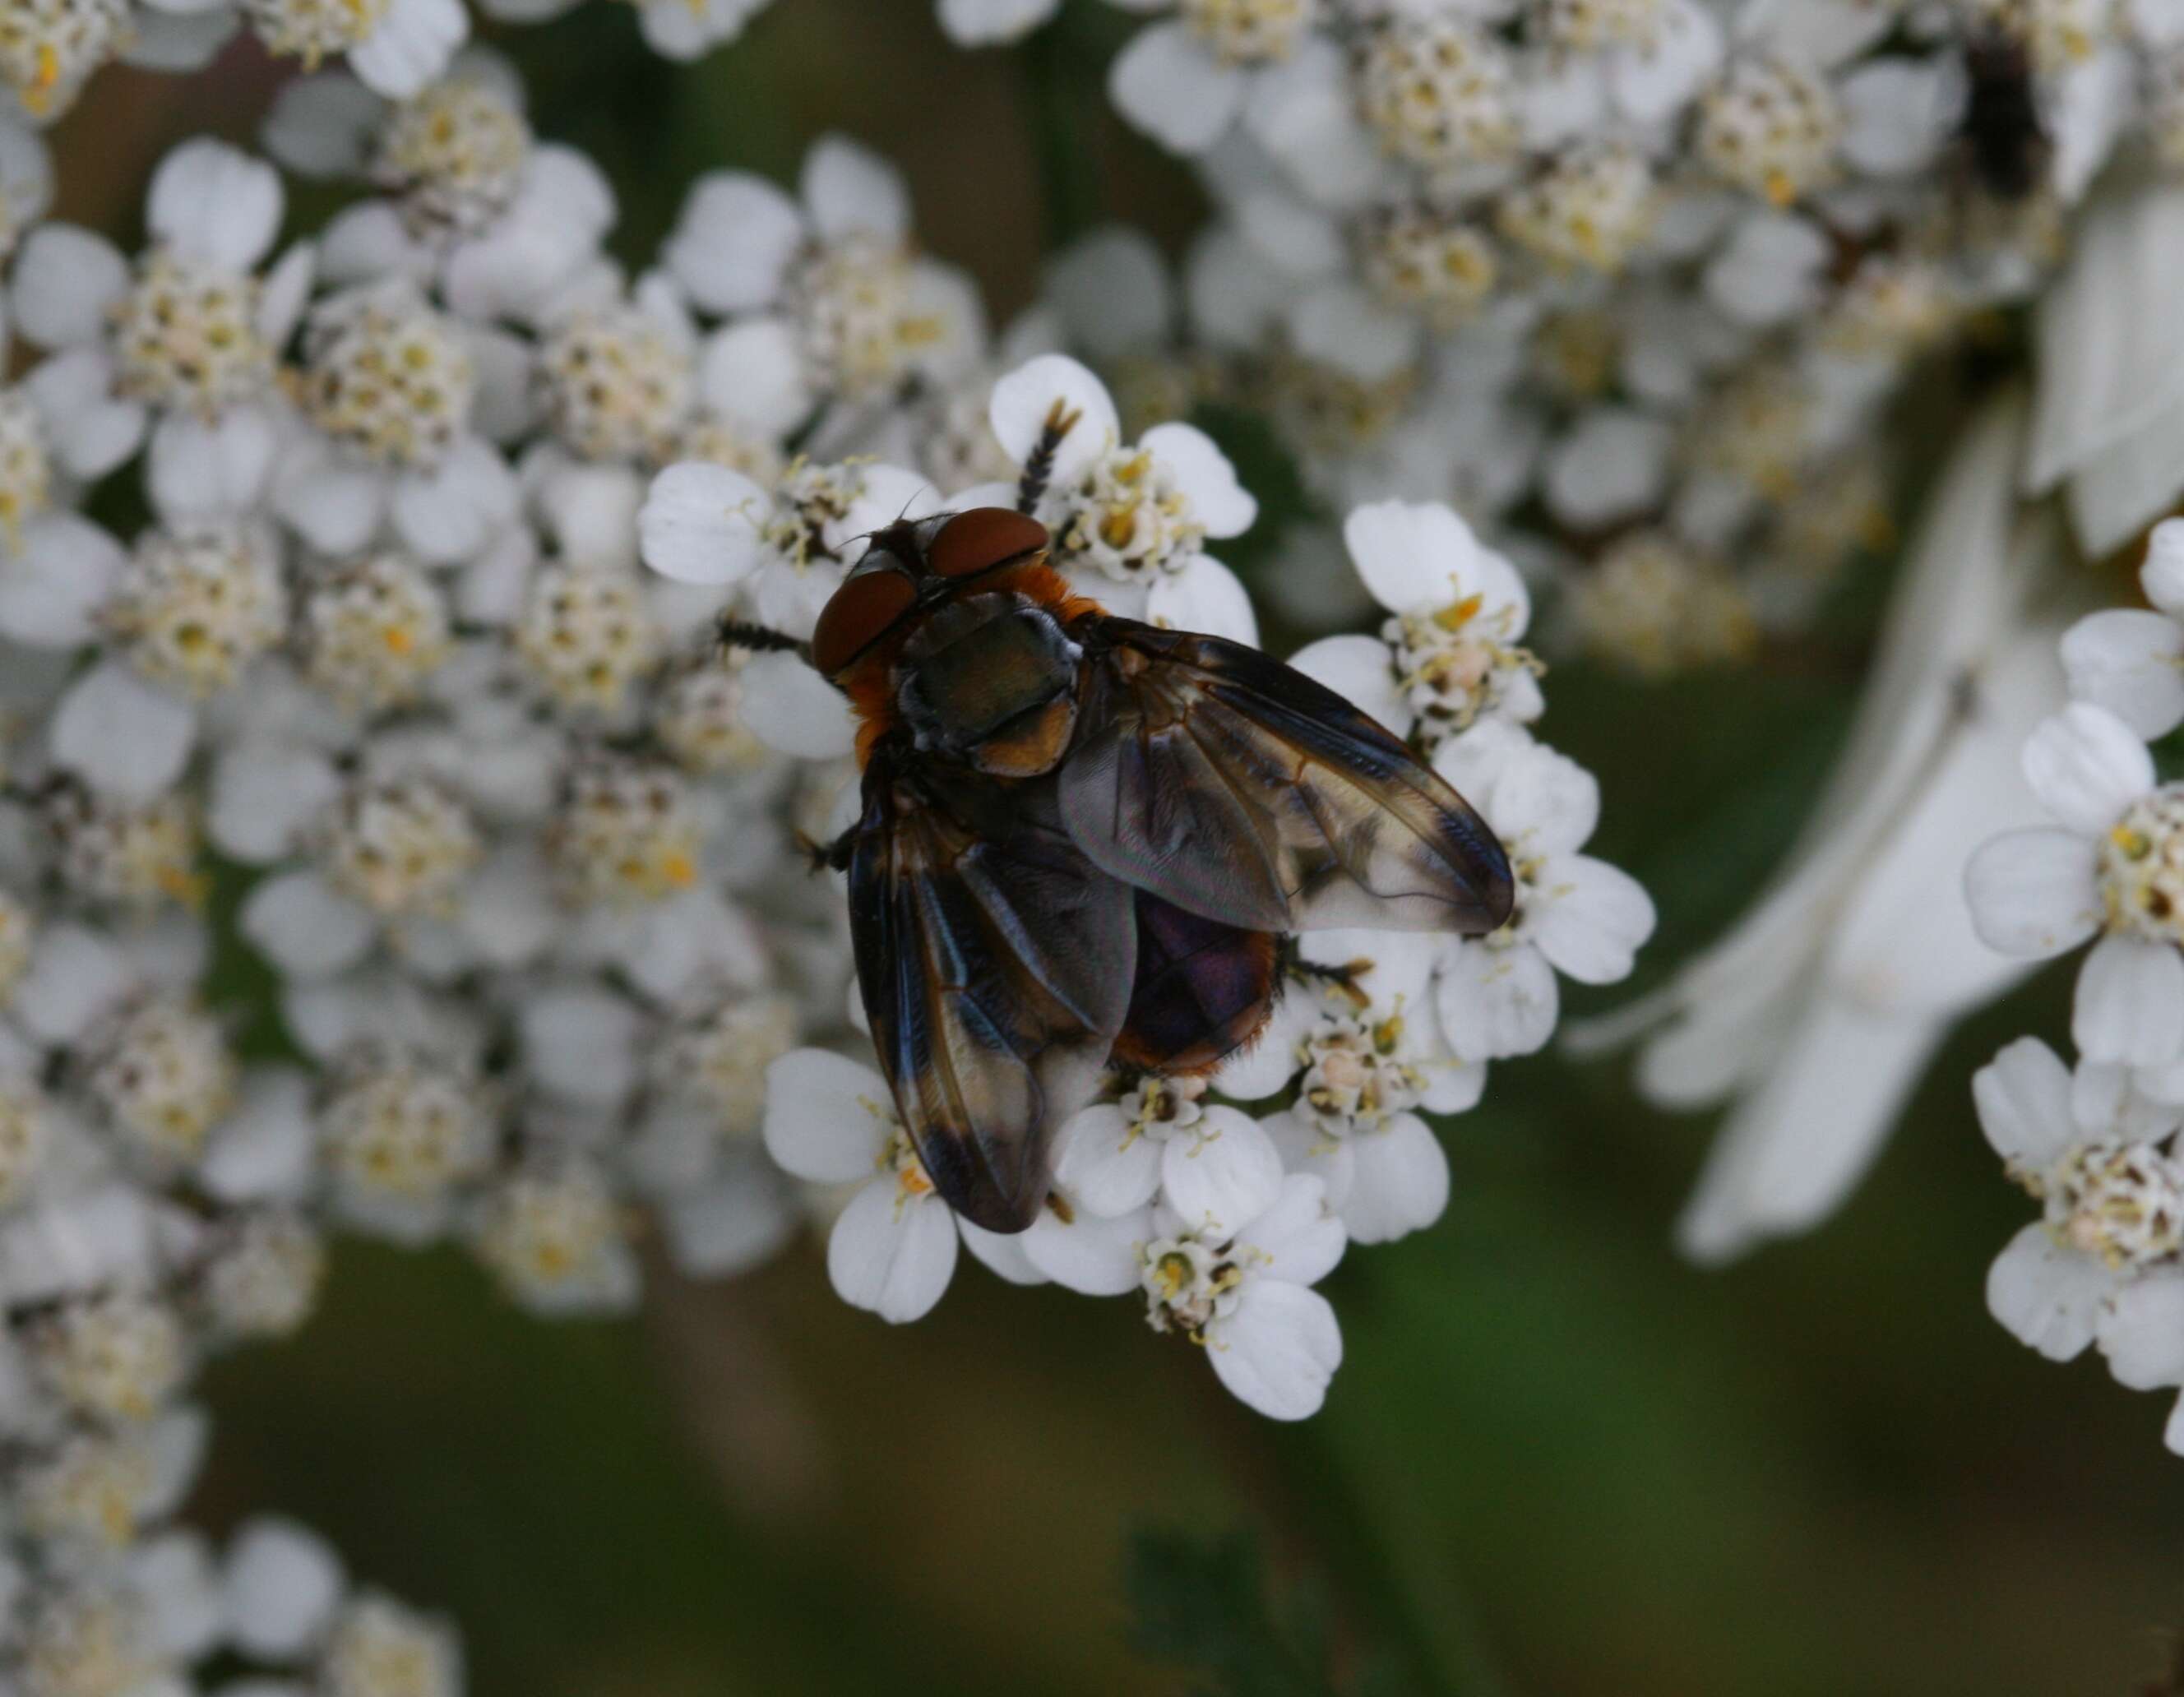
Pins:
<point x="408" y="899"/>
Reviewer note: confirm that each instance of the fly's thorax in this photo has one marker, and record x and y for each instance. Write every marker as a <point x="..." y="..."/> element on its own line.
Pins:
<point x="990" y="679"/>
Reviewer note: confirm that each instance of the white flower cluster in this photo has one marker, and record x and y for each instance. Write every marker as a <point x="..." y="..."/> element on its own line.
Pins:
<point x="378" y="699"/>
<point x="2096" y="1148"/>
<point x="1220" y="1220"/>
<point x="1636" y="279"/>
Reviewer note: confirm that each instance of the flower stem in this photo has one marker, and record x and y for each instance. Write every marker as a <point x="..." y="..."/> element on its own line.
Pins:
<point x="1057" y="111"/>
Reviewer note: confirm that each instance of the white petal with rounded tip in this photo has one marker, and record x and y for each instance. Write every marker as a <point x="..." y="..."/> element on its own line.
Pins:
<point x="1401" y="1183"/>
<point x="1205" y="597"/>
<point x="286" y="291"/>
<point x="123" y="737"/>
<point x="2047" y="1294"/>
<point x="1497" y="1002"/>
<point x="580" y="1043"/>
<point x="849" y="190"/>
<point x="732" y="247"/>
<point x="212" y="202"/>
<point x="986" y="23"/>
<point x="1347" y="327"/>
<point x="2132" y="662"/>
<point x="1590" y="920"/>
<point x="457" y="511"/>
<point x="2162" y="576"/>
<point x="1166" y="84"/>
<point x="267" y="1150"/>
<point x="1539" y="799"/>
<point x="75" y="977"/>
<point x="1308" y="1152"/>
<point x="199" y="472"/>
<point x="181" y="38"/>
<point x="1000" y="1254"/>
<point x="409" y="46"/>
<point x="1297" y="1241"/>
<point x="1222" y="1177"/>
<point x="2130" y="1003"/>
<point x="700" y="524"/>
<point x="263" y="794"/>
<point x="2086" y="767"/>
<point x="1278" y="1351"/>
<point x="2034" y="892"/>
<point x="50" y="591"/>
<point x="1410" y="556"/>
<point x="1103" y="1165"/>
<point x="1218" y="499"/>
<point x="794" y="710"/>
<point x="755" y="373"/>
<point x="335" y="507"/>
<point x="324" y="124"/>
<point x="307" y="929"/>
<point x="1054" y="387"/>
<point x="2023" y="1096"/>
<point x="1613" y="466"/>
<point x="826" y="1117"/>
<point x="2140" y="1331"/>
<point x="892" y="1253"/>
<point x="1091" y="1255"/>
<point x="65" y="280"/>
<point x="279" y="1588"/>
<point x="90" y="431"/>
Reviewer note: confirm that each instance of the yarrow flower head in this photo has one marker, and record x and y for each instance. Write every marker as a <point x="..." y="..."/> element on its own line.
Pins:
<point x="2111" y="868"/>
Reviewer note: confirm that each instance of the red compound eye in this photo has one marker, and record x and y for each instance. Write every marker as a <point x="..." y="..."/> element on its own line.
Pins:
<point x="981" y="539"/>
<point x="859" y="611"/>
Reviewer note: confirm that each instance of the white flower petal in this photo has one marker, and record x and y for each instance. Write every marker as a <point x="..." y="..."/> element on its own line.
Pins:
<point x="891" y="1252"/>
<point x="1205" y="597"/>
<point x="1170" y="87"/>
<point x="1218" y="499"/>
<point x="279" y="1588"/>
<point x="732" y="247"/>
<point x="1227" y="1175"/>
<point x="1278" y="1351"/>
<point x="826" y="1117"/>
<point x="700" y="524"/>
<point x="65" y="280"/>
<point x="2130" y="1003"/>
<point x="120" y="735"/>
<point x="794" y="710"/>
<point x="1497" y="1002"/>
<point x="2140" y="1331"/>
<point x="1103" y="1165"/>
<point x="411" y="45"/>
<point x="1590" y="919"/>
<point x="1400" y="1182"/>
<point x="1090" y="1255"/>
<point x="2034" y="892"/>
<point x="2086" y="767"/>
<point x="50" y="591"/>
<point x="212" y="202"/>
<point x="1054" y="387"/>
<point x="2132" y="662"/>
<point x="2023" y="1096"/>
<point x="849" y="190"/>
<point x="755" y="373"/>
<point x="305" y="928"/>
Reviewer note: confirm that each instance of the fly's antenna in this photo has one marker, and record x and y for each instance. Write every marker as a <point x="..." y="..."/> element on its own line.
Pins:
<point x="760" y="639"/>
<point x="1060" y="419"/>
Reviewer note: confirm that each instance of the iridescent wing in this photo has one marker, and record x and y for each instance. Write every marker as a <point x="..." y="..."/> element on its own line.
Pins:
<point x="997" y="963"/>
<point x="1236" y="787"/>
